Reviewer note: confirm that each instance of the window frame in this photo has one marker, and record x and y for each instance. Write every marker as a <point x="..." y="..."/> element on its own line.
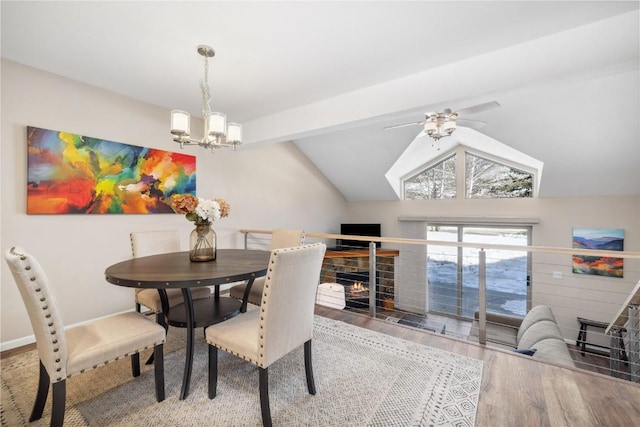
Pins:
<point x="460" y="152"/>
<point x="462" y="224"/>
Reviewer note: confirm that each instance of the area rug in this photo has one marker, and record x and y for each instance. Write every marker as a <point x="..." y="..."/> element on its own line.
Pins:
<point x="363" y="378"/>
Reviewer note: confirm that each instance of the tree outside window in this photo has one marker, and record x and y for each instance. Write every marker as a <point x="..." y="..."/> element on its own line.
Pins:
<point x="435" y="182"/>
<point x="483" y="179"/>
<point x="486" y="179"/>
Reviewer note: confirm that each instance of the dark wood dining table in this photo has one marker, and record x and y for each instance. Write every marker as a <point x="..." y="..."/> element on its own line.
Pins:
<point x="176" y="271"/>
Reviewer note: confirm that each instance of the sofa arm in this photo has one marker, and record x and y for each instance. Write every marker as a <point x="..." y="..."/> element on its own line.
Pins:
<point x="501" y="329"/>
<point x="502" y="319"/>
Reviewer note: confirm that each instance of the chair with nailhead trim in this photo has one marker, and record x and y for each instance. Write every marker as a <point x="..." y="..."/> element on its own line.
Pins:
<point x="280" y="238"/>
<point x="64" y="354"/>
<point x="283" y="322"/>
<point x="146" y="243"/>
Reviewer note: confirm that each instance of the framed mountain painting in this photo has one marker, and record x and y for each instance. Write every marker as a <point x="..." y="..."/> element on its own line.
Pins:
<point x="75" y="174"/>
<point x="607" y="239"/>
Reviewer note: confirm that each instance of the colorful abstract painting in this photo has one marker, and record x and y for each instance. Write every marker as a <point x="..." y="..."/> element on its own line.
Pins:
<point x="75" y="174"/>
<point x="606" y="239"/>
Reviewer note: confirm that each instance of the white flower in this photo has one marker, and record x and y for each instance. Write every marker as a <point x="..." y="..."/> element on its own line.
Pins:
<point x="208" y="210"/>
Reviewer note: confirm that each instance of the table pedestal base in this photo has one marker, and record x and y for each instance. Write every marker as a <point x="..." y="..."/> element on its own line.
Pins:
<point x="195" y="314"/>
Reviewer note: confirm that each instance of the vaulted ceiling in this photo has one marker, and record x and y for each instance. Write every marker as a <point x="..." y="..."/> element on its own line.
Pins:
<point x="330" y="75"/>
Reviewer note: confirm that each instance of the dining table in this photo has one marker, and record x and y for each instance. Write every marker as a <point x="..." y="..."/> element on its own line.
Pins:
<point x="176" y="271"/>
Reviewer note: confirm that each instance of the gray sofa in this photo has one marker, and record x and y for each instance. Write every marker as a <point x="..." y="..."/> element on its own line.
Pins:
<point x="537" y="330"/>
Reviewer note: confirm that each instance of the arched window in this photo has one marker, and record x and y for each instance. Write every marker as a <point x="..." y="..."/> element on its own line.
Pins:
<point x="482" y="177"/>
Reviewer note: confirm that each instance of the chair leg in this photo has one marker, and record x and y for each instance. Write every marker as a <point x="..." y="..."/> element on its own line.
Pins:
<point x="160" y="320"/>
<point x="41" y="397"/>
<point x="308" y="367"/>
<point x="59" y="398"/>
<point x="213" y="371"/>
<point x="264" y="397"/>
<point x="135" y="364"/>
<point x="158" y="369"/>
<point x="138" y="308"/>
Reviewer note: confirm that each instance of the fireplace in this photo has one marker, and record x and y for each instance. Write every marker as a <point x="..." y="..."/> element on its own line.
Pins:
<point x="356" y="289"/>
<point x="338" y="264"/>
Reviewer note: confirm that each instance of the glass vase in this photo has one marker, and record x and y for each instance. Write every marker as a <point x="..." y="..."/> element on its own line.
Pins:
<point x="202" y="243"/>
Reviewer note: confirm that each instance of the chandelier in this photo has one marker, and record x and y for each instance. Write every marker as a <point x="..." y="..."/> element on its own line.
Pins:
<point x="217" y="133"/>
<point x="440" y="125"/>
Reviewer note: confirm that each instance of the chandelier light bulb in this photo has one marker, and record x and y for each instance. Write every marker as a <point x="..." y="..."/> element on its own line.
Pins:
<point x="217" y="124"/>
<point x="180" y="123"/>
<point x="234" y="133"/>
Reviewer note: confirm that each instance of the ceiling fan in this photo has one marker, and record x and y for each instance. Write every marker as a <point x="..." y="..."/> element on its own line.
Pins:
<point x="442" y="124"/>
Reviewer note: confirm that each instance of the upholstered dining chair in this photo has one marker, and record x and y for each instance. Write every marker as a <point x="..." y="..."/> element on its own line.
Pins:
<point x="280" y="238"/>
<point x="64" y="354"/>
<point x="146" y="243"/>
<point x="283" y="323"/>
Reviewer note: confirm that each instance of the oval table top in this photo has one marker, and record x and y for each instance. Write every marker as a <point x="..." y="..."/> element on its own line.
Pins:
<point x="176" y="270"/>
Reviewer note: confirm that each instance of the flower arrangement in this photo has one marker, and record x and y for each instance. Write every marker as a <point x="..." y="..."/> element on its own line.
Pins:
<point x="197" y="209"/>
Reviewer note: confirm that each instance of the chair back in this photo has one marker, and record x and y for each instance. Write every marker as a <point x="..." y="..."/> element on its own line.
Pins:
<point x="42" y="308"/>
<point x="288" y="299"/>
<point x="146" y="243"/>
<point x="281" y="238"/>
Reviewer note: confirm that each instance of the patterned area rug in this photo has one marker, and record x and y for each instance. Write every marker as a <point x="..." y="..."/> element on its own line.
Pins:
<point x="363" y="378"/>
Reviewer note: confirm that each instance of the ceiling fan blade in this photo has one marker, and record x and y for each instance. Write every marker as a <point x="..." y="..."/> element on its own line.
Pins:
<point x="473" y="124"/>
<point x="479" y="108"/>
<point x="403" y="125"/>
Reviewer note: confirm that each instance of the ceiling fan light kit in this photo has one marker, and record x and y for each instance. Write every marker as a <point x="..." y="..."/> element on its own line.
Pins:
<point x="441" y="125"/>
<point x="217" y="132"/>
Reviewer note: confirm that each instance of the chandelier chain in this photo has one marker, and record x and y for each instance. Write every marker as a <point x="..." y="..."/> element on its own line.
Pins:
<point x="206" y="91"/>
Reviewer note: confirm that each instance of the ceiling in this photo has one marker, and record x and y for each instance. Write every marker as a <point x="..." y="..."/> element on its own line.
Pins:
<point x="330" y="75"/>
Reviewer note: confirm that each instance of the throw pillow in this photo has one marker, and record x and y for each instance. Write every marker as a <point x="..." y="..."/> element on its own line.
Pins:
<point x="526" y="351"/>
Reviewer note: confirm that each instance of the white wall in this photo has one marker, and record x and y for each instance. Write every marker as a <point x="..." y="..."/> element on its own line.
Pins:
<point x="593" y="297"/>
<point x="273" y="186"/>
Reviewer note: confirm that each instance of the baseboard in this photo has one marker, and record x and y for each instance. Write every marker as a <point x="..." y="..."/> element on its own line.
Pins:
<point x="19" y="342"/>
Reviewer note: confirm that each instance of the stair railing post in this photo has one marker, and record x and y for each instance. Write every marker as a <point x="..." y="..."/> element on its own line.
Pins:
<point x="482" y="297"/>
<point x="633" y="335"/>
<point x="373" y="282"/>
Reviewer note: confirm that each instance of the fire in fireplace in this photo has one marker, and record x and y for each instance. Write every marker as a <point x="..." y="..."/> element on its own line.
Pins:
<point x="356" y="289"/>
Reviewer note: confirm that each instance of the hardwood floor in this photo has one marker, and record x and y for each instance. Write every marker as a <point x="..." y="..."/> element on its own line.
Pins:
<point x="519" y="391"/>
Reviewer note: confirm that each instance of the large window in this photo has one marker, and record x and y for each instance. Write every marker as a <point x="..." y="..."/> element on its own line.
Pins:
<point x="467" y="173"/>
<point x="453" y="272"/>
